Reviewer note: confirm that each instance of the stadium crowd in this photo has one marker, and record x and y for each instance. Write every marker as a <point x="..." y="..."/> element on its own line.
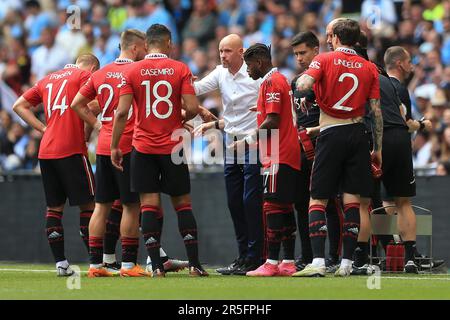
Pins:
<point x="35" y="39"/>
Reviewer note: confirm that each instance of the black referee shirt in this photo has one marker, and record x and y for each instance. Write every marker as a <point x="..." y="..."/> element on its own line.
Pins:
<point x="305" y="117"/>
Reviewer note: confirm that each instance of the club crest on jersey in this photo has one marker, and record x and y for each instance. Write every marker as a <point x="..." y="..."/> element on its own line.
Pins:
<point x="272" y="97"/>
<point x="315" y="65"/>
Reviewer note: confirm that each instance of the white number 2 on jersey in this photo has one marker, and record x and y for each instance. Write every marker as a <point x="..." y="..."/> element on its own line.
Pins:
<point x="338" y="105"/>
<point x="61" y="106"/>
<point x="108" y="102"/>
<point x="152" y="107"/>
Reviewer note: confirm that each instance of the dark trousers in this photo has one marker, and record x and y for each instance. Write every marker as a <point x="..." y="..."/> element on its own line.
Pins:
<point x="244" y="186"/>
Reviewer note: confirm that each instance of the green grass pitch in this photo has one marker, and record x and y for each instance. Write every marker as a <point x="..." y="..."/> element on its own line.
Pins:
<point x="26" y="281"/>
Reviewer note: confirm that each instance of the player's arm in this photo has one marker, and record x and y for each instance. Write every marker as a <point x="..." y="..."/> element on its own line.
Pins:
<point x="378" y="128"/>
<point x="304" y="84"/>
<point x="191" y="106"/>
<point x="23" y="108"/>
<point x="80" y="106"/>
<point x="120" y="121"/>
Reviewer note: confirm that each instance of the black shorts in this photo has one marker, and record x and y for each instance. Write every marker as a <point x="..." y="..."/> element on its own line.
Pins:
<point x="69" y="177"/>
<point x="113" y="184"/>
<point x="281" y="183"/>
<point x="398" y="173"/>
<point x="155" y="173"/>
<point x="342" y="162"/>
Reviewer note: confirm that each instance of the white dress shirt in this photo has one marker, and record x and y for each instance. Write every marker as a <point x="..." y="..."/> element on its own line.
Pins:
<point x="239" y="93"/>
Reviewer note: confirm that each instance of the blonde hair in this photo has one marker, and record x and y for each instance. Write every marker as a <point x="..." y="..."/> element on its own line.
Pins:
<point x="129" y="37"/>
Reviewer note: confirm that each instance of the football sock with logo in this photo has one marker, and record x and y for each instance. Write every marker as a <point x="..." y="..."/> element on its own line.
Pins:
<point x="351" y="229"/>
<point x="303" y="230"/>
<point x="289" y="232"/>
<point x="130" y="248"/>
<point x="317" y="229"/>
<point x="151" y="229"/>
<point x="85" y="217"/>
<point x="410" y="249"/>
<point x="275" y="227"/>
<point x="112" y="232"/>
<point x="55" y="234"/>
<point x="334" y="228"/>
<point x="361" y="254"/>
<point x="96" y="251"/>
<point x="187" y="227"/>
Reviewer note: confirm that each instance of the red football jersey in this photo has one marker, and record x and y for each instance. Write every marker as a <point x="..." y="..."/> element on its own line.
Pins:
<point x="275" y="96"/>
<point x="64" y="135"/>
<point x="157" y="84"/>
<point x="104" y="84"/>
<point x="344" y="83"/>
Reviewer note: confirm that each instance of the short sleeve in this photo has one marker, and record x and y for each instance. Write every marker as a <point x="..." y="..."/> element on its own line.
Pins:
<point x="88" y="89"/>
<point x="375" y="87"/>
<point x="33" y="95"/>
<point x="273" y="95"/>
<point x="316" y="67"/>
<point x="84" y="77"/>
<point x="187" y="81"/>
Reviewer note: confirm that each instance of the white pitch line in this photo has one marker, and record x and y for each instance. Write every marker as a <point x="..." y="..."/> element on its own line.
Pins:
<point x="416" y="278"/>
<point x="32" y="270"/>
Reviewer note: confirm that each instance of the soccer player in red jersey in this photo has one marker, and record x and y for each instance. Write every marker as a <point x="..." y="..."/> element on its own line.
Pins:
<point x="343" y="83"/>
<point x="276" y="116"/>
<point x="159" y="85"/>
<point x="111" y="183"/>
<point x="66" y="171"/>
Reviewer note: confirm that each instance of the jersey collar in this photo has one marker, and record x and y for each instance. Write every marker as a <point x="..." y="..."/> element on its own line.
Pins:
<point x="123" y="61"/>
<point x="156" y="56"/>
<point x="346" y="50"/>
<point x="71" y="65"/>
<point x="268" y="74"/>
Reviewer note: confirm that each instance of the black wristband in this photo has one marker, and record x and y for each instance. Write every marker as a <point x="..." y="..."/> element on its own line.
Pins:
<point x="422" y="126"/>
<point x="216" y="124"/>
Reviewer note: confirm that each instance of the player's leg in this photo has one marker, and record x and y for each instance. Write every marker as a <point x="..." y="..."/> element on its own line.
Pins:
<point x="335" y="220"/>
<point x="112" y="235"/>
<point x="361" y="254"/>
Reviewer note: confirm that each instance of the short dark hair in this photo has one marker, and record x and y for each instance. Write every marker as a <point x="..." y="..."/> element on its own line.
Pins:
<point x="348" y="31"/>
<point x="157" y="34"/>
<point x="361" y="46"/>
<point x="32" y="4"/>
<point x="306" y="37"/>
<point x="258" y="51"/>
<point x="392" y="55"/>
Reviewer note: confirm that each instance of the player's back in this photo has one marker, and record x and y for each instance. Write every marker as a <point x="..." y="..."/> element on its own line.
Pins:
<point x="157" y="84"/>
<point x="344" y="82"/>
<point x="104" y="85"/>
<point x="64" y="135"/>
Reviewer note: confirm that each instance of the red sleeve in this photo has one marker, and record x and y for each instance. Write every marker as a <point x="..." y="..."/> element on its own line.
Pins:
<point x="88" y="89"/>
<point x="315" y="69"/>
<point x="375" y="88"/>
<point x="187" y="81"/>
<point x="125" y="85"/>
<point x="272" y="99"/>
<point x="33" y="95"/>
<point x="84" y="77"/>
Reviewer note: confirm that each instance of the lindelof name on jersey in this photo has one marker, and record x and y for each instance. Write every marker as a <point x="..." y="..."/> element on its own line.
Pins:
<point x="348" y="64"/>
<point x="157" y="72"/>
<point x="272" y="97"/>
<point x="114" y="75"/>
<point x="61" y="75"/>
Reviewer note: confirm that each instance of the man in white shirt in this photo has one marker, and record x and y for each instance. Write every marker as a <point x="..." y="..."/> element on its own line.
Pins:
<point x="242" y="173"/>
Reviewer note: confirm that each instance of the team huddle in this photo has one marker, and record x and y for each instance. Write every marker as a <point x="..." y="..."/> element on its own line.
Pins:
<point x="333" y="139"/>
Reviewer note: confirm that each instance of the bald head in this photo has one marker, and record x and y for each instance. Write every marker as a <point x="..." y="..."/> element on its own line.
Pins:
<point x="231" y="52"/>
<point x="329" y="32"/>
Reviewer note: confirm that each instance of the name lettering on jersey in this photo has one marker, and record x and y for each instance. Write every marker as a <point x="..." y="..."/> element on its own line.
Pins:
<point x="315" y="65"/>
<point x="61" y="75"/>
<point x="348" y="64"/>
<point x="157" y="72"/>
<point x="272" y="97"/>
<point x="114" y="75"/>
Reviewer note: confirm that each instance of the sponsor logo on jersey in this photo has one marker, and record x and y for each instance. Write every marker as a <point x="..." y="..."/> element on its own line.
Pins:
<point x="272" y="97"/>
<point x="315" y="65"/>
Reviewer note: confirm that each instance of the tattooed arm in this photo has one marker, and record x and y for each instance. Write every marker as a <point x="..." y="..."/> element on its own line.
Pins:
<point x="304" y="84"/>
<point x="378" y="128"/>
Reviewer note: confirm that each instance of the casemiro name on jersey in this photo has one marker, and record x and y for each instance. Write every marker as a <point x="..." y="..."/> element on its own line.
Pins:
<point x="157" y="72"/>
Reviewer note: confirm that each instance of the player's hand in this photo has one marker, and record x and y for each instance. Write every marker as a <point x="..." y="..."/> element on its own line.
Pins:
<point x="253" y="109"/>
<point x="201" y="129"/>
<point x="43" y="130"/>
<point x="428" y="125"/>
<point x="188" y="127"/>
<point x="377" y="157"/>
<point x="98" y="125"/>
<point x="206" y="115"/>
<point x="117" y="158"/>
<point x="312" y="131"/>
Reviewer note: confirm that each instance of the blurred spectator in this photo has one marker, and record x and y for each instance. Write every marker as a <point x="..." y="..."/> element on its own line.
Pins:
<point x="443" y="168"/>
<point x="231" y="14"/>
<point x="36" y="22"/>
<point x="72" y="40"/>
<point x="49" y="57"/>
<point x="422" y="149"/>
<point x="117" y="15"/>
<point x="200" y="23"/>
